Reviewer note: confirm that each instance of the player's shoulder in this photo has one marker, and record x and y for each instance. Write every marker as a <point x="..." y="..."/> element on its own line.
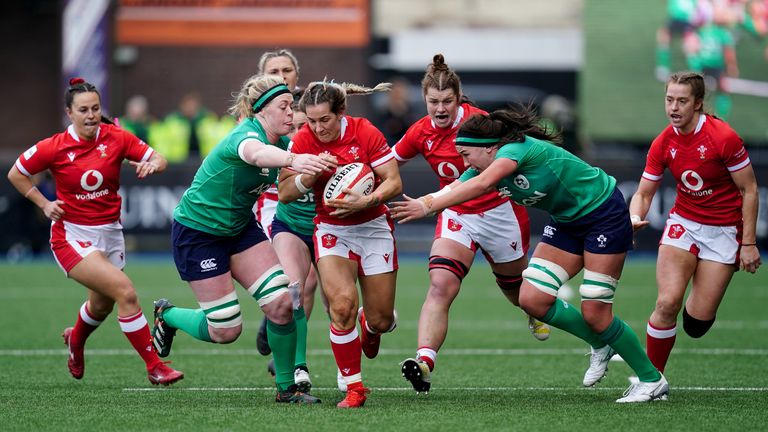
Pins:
<point x="667" y="136"/>
<point x="719" y="129"/>
<point x="470" y="110"/>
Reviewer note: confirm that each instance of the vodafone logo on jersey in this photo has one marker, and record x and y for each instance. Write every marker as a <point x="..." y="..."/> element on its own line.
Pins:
<point x="448" y="170"/>
<point x="694" y="183"/>
<point x="90" y="182"/>
<point x="692" y="180"/>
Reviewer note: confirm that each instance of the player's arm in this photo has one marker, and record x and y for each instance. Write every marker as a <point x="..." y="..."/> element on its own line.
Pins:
<point x="641" y="202"/>
<point x="457" y="193"/>
<point x="292" y="185"/>
<point x="155" y="164"/>
<point x="256" y="153"/>
<point x="24" y="185"/>
<point x="391" y="185"/>
<point x="745" y="181"/>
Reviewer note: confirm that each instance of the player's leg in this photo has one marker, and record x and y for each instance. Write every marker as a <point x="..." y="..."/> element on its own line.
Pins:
<point x="707" y="291"/>
<point x="203" y="261"/>
<point x="265" y="209"/>
<point x="674" y="268"/>
<point x="338" y="276"/>
<point x="449" y="263"/>
<point x="91" y="314"/>
<point x="99" y="274"/>
<point x="547" y="271"/>
<point x="257" y="268"/>
<point x="296" y="260"/>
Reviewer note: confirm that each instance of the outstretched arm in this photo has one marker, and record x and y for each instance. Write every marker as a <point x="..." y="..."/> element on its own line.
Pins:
<point x="456" y="193"/>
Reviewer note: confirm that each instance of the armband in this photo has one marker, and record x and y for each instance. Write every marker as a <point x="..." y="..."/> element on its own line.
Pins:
<point x="32" y="189"/>
<point x="299" y="185"/>
<point x="426" y="204"/>
<point x="636" y="219"/>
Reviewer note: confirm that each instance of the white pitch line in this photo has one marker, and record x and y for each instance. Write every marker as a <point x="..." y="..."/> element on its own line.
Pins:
<point x="455" y="352"/>
<point x="397" y="389"/>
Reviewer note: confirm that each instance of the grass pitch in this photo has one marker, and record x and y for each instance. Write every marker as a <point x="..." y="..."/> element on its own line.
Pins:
<point x="491" y="373"/>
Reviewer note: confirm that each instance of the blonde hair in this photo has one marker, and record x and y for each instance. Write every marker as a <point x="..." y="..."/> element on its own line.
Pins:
<point x="252" y="89"/>
<point x="279" y="53"/>
<point x="335" y="94"/>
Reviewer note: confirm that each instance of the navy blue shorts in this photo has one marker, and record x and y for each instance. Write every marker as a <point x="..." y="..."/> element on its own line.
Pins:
<point x="605" y="230"/>
<point x="279" y="226"/>
<point x="199" y="255"/>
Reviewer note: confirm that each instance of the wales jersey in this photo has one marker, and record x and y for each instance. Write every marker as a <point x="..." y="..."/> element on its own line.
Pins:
<point x="87" y="173"/>
<point x="438" y="147"/>
<point x="225" y="187"/>
<point x="701" y="163"/>
<point x="551" y="179"/>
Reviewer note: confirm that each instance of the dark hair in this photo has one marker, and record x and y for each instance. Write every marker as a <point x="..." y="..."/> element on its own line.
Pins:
<point x="692" y="79"/>
<point x="509" y="125"/>
<point x="78" y="85"/>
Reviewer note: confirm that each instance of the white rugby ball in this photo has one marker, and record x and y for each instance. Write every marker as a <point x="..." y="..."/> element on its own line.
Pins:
<point x="356" y="176"/>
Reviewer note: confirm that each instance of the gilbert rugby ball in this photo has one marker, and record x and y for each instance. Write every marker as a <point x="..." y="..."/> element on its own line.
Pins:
<point x="355" y="176"/>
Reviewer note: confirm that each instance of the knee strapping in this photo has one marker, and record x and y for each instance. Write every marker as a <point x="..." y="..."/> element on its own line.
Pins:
<point x="223" y="312"/>
<point x="545" y="275"/>
<point x="454" y="266"/>
<point x="271" y="284"/>
<point x="508" y="283"/>
<point x="597" y="286"/>
<point x="696" y="328"/>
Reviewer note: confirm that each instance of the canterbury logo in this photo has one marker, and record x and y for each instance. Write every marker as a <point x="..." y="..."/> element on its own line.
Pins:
<point x="208" y="264"/>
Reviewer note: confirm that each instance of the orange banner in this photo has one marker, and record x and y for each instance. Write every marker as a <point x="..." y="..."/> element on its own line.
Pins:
<point x="340" y="23"/>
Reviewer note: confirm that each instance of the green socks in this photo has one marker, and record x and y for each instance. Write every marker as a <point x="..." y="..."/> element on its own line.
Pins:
<point x="624" y="341"/>
<point x="282" y="340"/>
<point x="190" y="321"/>
<point x="566" y="317"/>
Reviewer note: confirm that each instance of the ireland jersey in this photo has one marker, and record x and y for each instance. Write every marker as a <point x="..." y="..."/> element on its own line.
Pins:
<point x="299" y="215"/>
<point x="552" y="179"/>
<point x="225" y="187"/>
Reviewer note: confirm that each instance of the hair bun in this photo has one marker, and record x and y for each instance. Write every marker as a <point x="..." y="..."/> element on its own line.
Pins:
<point x="76" y="81"/>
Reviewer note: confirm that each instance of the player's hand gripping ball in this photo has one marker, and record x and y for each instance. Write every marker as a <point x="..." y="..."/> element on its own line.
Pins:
<point x="357" y="177"/>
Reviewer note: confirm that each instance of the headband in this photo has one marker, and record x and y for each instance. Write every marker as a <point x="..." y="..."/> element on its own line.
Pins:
<point x="471" y="141"/>
<point x="268" y="95"/>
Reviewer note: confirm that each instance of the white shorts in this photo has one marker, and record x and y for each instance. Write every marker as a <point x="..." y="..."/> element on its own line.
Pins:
<point x="71" y="243"/>
<point x="707" y="242"/>
<point x="371" y="244"/>
<point x="496" y="231"/>
<point x="265" y="209"/>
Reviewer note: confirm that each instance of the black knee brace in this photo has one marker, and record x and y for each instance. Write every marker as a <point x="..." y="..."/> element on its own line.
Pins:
<point x="695" y="328"/>
<point x="454" y="266"/>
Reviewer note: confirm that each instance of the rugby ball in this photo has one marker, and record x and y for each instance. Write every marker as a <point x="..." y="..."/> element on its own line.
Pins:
<point x="355" y="176"/>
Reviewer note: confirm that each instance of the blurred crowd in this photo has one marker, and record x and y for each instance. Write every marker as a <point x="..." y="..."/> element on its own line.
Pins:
<point x="192" y="130"/>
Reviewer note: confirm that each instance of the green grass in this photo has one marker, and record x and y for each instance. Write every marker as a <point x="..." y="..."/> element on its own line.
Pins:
<point x="516" y="383"/>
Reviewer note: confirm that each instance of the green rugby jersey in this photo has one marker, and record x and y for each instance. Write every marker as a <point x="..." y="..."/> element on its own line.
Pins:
<point x="552" y="179"/>
<point x="225" y="188"/>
